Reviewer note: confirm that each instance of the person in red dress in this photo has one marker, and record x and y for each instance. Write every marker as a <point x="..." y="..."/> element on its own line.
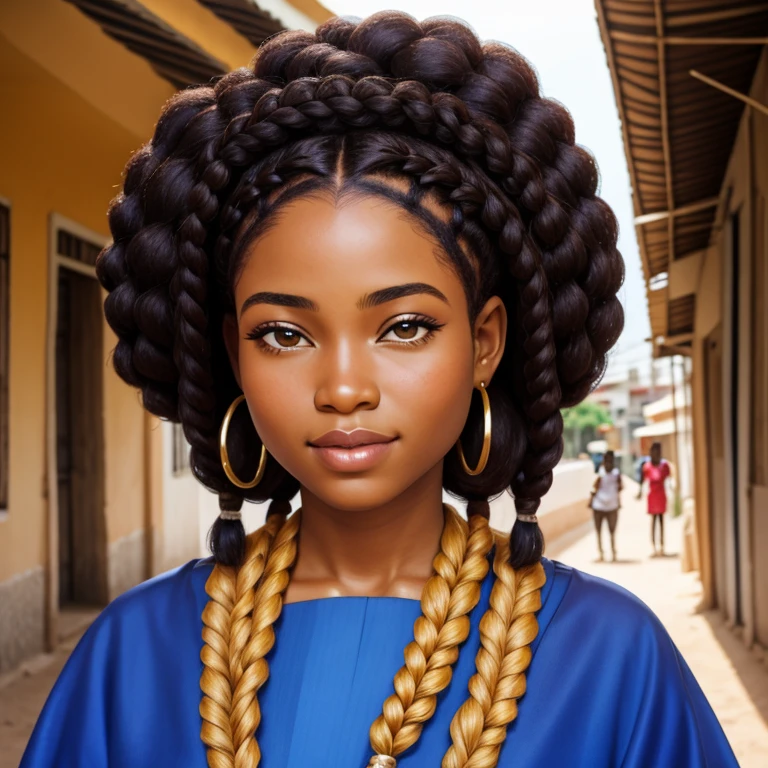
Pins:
<point x="656" y="471"/>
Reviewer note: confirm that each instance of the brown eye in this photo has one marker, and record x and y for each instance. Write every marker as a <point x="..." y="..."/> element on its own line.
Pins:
<point x="410" y="331"/>
<point x="279" y="338"/>
<point x="287" y="338"/>
<point x="406" y="331"/>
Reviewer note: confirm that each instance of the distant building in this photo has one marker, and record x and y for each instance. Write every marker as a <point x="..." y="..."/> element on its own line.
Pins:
<point x="691" y="84"/>
<point x="624" y="400"/>
<point x="95" y="495"/>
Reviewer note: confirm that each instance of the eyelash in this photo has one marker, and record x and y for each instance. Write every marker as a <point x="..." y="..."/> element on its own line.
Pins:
<point x="421" y="321"/>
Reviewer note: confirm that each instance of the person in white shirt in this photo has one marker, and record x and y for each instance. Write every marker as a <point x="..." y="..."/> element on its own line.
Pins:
<point x="605" y="501"/>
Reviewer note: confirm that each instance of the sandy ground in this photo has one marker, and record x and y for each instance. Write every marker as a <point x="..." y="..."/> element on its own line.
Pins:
<point x="733" y="678"/>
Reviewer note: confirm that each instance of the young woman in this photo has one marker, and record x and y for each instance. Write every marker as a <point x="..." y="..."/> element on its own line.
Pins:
<point x="655" y="472"/>
<point x="606" y="500"/>
<point x="368" y="269"/>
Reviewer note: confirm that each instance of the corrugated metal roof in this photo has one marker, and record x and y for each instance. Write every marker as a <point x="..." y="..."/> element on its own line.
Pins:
<point x="172" y="55"/>
<point x="246" y="17"/>
<point x="678" y="131"/>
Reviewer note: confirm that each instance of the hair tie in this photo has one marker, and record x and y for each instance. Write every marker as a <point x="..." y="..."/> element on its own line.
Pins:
<point x="478" y="507"/>
<point x="230" y="505"/>
<point x="527" y="518"/>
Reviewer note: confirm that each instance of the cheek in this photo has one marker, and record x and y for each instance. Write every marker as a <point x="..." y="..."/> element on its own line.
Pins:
<point x="429" y="393"/>
<point x="276" y="400"/>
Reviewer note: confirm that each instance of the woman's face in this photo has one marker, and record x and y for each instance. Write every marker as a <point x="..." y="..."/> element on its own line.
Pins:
<point x="353" y="346"/>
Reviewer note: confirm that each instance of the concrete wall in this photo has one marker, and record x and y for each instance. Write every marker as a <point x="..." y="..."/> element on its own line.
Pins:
<point x="562" y="509"/>
<point x="730" y="562"/>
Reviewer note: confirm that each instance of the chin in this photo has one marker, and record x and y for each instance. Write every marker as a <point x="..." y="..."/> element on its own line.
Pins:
<point x="357" y="494"/>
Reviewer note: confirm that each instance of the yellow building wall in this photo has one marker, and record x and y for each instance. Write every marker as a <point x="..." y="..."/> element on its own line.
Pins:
<point x="58" y="154"/>
<point x="60" y="39"/>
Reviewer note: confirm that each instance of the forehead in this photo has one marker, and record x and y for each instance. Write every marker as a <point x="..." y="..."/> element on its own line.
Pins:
<point x="319" y="247"/>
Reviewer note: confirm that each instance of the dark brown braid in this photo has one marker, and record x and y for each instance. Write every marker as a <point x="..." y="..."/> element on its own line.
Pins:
<point x="387" y="97"/>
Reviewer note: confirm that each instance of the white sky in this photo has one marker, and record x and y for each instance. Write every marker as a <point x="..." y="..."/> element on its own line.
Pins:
<point x="561" y="39"/>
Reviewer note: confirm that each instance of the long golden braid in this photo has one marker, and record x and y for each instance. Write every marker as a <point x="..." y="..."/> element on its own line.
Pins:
<point x="507" y="629"/>
<point x="248" y="576"/>
<point x="448" y="597"/>
<point x="216" y="704"/>
<point x="267" y="605"/>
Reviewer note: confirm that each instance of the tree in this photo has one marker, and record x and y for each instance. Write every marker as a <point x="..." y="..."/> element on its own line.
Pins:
<point x="580" y="425"/>
<point x="586" y="415"/>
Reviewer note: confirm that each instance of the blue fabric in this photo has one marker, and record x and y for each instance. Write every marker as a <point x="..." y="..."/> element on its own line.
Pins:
<point x="606" y="686"/>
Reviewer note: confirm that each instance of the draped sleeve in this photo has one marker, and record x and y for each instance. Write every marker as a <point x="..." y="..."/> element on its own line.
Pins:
<point x="608" y="688"/>
<point x="128" y="695"/>
<point x="674" y="725"/>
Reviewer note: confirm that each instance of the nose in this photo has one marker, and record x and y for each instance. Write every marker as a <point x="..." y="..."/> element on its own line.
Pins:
<point x="347" y="383"/>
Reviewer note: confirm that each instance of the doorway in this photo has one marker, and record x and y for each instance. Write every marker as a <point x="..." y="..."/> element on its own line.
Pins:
<point x="77" y="536"/>
<point x="80" y="441"/>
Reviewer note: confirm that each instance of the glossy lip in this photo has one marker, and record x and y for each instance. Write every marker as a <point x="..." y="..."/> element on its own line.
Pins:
<point x="338" y="438"/>
<point x="355" y="451"/>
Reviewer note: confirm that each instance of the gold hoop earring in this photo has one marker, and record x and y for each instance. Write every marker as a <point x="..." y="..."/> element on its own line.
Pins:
<point x="486" y="449"/>
<point x="228" y="471"/>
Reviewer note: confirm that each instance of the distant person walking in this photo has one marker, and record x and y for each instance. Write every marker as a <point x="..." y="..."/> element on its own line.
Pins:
<point x="606" y="500"/>
<point x="656" y="471"/>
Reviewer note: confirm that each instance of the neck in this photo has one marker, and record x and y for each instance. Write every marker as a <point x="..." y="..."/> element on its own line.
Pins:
<point x="386" y="550"/>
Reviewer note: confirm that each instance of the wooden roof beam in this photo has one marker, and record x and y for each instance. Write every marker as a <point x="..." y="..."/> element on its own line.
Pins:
<point x="633" y="37"/>
<point x="603" y="24"/>
<point x="730" y="91"/>
<point x="663" y="98"/>
<point x="709" y="17"/>
<point x="700" y="205"/>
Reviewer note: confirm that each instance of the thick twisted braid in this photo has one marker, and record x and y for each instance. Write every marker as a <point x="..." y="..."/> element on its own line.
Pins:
<point x="215" y="682"/>
<point x="448" y="598"/>
<point x="268" y="604"/>
<point x="244" y="703"/>
<point x="226" y="627"/>
<point x="507" y="629"/>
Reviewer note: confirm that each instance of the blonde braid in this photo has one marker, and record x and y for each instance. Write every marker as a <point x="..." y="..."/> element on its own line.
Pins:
<point x="448" y="597"/>
<point x="248" y="576"/>
<point x="215" y="705"/>
<point x="479" y="727"/>
<point x="267" y="606"/>
<point x="228" y="635"/>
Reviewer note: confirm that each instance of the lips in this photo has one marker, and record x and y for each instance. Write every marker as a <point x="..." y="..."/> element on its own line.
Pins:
<point x="357" y="437"/>
<point x="356" y="451"/>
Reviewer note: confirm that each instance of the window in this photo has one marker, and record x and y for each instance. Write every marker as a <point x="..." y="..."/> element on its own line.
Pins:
<point x="5" y="300"/>
<point x="76" y="248"/>
<point x="180" y="450"/>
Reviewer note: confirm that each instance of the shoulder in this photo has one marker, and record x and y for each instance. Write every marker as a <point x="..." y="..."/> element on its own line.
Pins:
<point x="174" y="598"/>
<point x="602" y="609"/>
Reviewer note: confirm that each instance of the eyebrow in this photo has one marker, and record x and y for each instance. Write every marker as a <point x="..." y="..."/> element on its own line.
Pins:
<point x="280" y="300"/>
<point x="398" y="292"/>
<point x="374" y="299"/>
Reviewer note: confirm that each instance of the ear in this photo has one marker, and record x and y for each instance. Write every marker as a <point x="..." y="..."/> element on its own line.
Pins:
<point x="490" y="338"/>
<point x="231" y="335"/>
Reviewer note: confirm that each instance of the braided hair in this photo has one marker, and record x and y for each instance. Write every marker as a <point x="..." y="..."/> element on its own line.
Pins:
<point x="419" y="113"/>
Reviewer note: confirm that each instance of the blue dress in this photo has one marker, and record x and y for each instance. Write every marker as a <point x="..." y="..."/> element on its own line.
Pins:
<point x="606" y="685"/>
